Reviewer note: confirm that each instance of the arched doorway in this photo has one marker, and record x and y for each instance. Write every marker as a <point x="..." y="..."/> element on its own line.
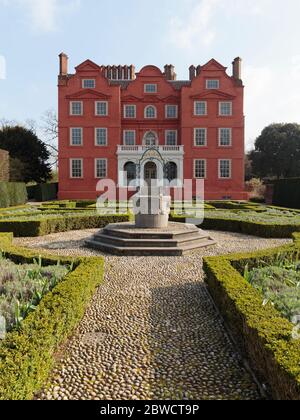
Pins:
<point x="171" y="171"/>
<point x="130" y="170"/>
<point x="150" y="172"/>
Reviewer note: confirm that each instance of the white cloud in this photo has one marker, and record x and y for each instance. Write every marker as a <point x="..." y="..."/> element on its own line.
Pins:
<point x="272" y="95"/>
<point x="200" y="27"/>
<point x="196" y="28"/>
<point x="43" y="15"/>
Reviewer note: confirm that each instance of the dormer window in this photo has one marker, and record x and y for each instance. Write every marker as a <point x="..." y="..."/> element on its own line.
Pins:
<point x="150" y="88"/>
<point x="150" y="112"/>
<point x="212" y="84"/>
<point x="89" y="84"/>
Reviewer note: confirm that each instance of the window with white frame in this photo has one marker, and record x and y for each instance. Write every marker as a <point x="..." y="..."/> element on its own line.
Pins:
<point x="200" y="108"/>
<point x="76" y="136"/>
<point x="200" y="168"/>
<point x="225" y="169"/>
<point x="200" y="137"/>
<point x="171" y="137"/>
<point x="150" y="88"/>
<point x="225" y="136"/>
<point x="130" y="111"/>
<point x="150" y="112"/>
<point x="101" y="168"/>
<point x="76" y="108"/>
<point x="212" y="84"/>
<point x="102" y="108"/>
<point x="171" y="111"/>
<point x="129" y="137"/>
<point x="89" y="84"/>
<point x="76" y="167"/>
<point x="225" y="108"/>
<point x="101" y="136"/>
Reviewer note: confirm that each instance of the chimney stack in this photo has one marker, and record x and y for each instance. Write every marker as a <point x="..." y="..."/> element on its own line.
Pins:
<point x="170" y="72"/>
<point x="132" y="72"/>
<point x="237" y="68"/>
<point x="198" y="70"/>
<point x="63" y="64"/>
<point x="192" y="72"/>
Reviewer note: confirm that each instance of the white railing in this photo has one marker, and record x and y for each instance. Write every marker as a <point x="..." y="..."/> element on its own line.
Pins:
<point x="142" y="149"/>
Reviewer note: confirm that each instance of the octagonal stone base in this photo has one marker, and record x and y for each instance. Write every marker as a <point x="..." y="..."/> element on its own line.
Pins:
<point x="176" y="239"/>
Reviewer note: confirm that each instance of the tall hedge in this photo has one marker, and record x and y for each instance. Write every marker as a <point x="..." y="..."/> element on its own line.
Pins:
<point x="43" y="192"/>
<point x="12" y="194"/>
<point x="287" y="193"/>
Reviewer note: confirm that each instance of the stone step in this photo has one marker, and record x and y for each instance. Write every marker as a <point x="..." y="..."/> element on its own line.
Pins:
<point x="150" y="251"/>
<point x="157" y="242"/>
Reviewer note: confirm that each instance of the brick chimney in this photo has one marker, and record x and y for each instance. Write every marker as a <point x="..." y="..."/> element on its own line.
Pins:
<point x="237" y="68"/>
<point x="63" y="64"/>
<point x="192" y="72"/>
<point x="198" y="70"/>
<point x="132" y="72"/>
<point x="170" y="72"/>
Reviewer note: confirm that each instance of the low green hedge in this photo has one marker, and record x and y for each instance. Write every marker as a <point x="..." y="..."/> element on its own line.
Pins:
<point x="51" y="224"/>
<point x="263" y="230"/>
<point x="27" y="355"/>
<point x="261" y="333"/>
<point x="12" y="194"/>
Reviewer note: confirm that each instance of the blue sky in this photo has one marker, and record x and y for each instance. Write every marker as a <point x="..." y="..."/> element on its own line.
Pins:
<point x="265" y="33"/>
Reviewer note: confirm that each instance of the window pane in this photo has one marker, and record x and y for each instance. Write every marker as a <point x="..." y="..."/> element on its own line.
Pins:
<point x="171" y="138"/>
<point x="172" y="111"/>
<point x="76" y="168"/>
<point x="101" y="108"/>
<point x="150" y="88"/>
<point x="76" y="108"/>
<point x="130" y="111"/>
<point x="129" y="138"/>
<point x="101" y="168"/>
<point x="101" y="136"/>
<point x="200" y="168"/>
<point x="212" y="84"/>
<point x="200" y="137"/>
<point x="76" y="136"/>
<point x="226" y="108"/>
<point x="225" y="168"/>
<point x="200" y="108"/>
<point x="150" y="112"/>
<point x="89" y="84"/>
<point x="225" y="137"/>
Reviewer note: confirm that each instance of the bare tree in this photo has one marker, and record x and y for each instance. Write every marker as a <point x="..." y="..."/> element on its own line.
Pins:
<point x="50" y="130"/>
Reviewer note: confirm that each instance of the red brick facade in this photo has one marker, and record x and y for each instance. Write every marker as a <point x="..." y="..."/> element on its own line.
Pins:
<point x="109" y="116"/>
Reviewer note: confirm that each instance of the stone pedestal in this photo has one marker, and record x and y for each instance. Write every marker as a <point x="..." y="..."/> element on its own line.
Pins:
<point x="153" y="209"/>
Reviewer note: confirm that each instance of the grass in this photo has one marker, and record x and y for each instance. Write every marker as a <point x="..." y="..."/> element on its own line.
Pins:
<point x="279" y="283"/>
<point x="22" y="287"/>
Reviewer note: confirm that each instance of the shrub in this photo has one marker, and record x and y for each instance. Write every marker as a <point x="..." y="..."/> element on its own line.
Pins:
<point x="257" y="190"/>
<point x="27" y="355"/>
<point x="43" y="192"/>
<point x="12" y="194"/>
<point x="287" y="193"/>
<point x="53" y="224"/>
<point x="263" y="336"/>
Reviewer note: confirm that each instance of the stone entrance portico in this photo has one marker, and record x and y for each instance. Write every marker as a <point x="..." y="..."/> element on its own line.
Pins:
<point x="134" y="154"/>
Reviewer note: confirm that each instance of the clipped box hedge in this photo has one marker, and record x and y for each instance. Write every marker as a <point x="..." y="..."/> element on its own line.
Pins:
<point x="47" y="224"/>
<point x="287" y="193"/>
<point x="12" y="194"/>
<point x="27" y="355"/>
<point x="263" y="230"/>
<point x="262" y="334"/>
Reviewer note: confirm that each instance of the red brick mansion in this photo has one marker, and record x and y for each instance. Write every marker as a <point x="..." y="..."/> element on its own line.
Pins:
<point x="109" y="116"/>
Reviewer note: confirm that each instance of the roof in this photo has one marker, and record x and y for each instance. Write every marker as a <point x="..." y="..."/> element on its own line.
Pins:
<point x="178" y="84"/>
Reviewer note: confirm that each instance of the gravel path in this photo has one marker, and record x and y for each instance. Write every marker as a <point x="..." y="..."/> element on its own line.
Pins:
<point x="151" y="331"/>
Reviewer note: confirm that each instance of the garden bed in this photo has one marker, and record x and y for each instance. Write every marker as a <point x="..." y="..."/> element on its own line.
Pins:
<point x="27" y="353"/>
<point x="261" y="332"/>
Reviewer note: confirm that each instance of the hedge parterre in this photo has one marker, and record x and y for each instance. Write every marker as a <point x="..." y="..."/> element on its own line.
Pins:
<point x="260" y="331"/>
<point x="27" y="354"/>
